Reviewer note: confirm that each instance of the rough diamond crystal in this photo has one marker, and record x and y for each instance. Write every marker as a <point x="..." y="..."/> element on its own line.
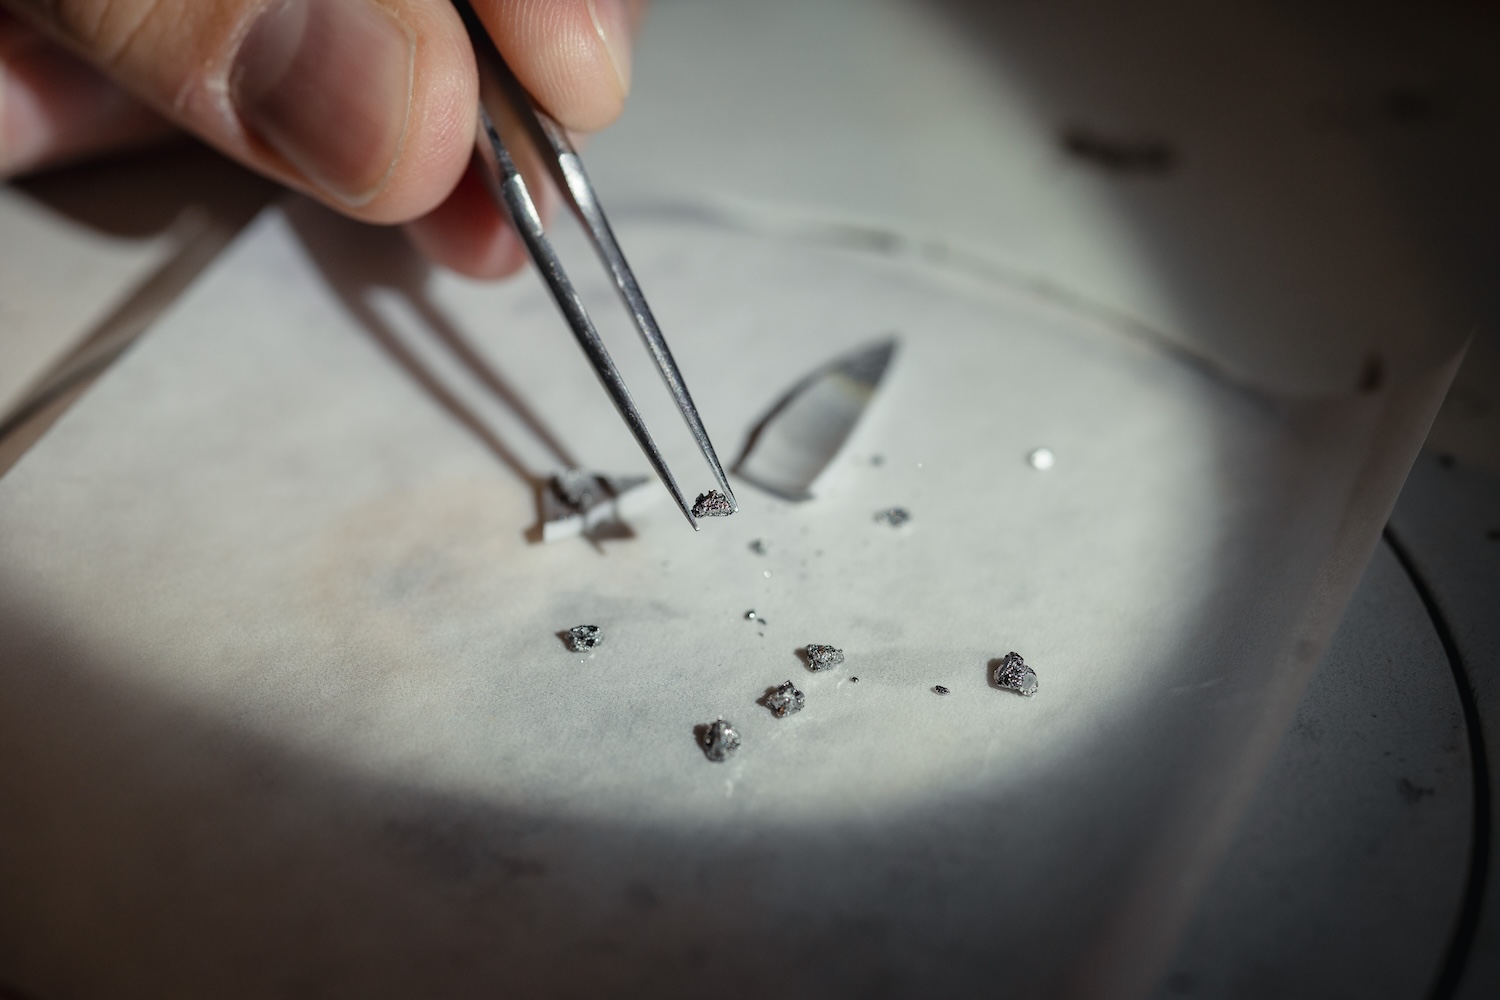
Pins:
<point x="719" y="740"/>
<point x="785" y="700"/>
<point x="584" y="637"/>
<point x="821" y="657"/>
<point x="1014" y="675"/>
<point x="712" y="504"/>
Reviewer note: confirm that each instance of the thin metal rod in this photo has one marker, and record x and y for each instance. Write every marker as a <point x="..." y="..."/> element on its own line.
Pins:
<point x="497" y="81"/>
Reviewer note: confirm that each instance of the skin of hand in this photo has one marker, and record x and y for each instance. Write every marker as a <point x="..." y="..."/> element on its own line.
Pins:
<point x="367" y="105"/>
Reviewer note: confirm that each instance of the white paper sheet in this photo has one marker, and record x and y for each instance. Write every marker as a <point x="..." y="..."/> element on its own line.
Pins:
<point x="287" y="709"/>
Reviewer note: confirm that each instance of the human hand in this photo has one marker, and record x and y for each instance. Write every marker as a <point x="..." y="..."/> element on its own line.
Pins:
<point x="367" y="105"/>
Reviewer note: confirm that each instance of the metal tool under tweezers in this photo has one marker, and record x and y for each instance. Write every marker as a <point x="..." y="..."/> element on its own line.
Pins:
<point x="502" y="98"/>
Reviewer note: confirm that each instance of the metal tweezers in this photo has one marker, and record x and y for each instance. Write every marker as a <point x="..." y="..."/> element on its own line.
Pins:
<point x="502" y="98"/>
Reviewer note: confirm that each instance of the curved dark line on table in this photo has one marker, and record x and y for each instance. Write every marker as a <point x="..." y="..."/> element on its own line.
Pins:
<point x="860" y="237"/>
<point x="1456" y="958"/>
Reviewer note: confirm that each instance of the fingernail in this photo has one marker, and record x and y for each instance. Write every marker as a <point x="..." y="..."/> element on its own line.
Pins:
<point x="327" y="84"/>
<point x="612" y="22"/>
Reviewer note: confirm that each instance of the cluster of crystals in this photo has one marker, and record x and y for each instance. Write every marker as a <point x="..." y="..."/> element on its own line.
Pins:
<point x="894" y="516"/>
<point x="785" y="700"/>
<point x="821" y="657"/>
<point x="1014" y="675"/>
<point x="712" y="504"/>
<point x="584" y="637"/>
<point x="719" y="740"/>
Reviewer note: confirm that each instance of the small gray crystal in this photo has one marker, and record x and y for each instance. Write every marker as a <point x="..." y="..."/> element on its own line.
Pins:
<point x="939" y="689"/>
<point x="1014" y="675"/>
<point x="712" y="504"/>
<point x="719" y="740"/>
<point x="821" y="657"/>
<point x="893" y="516"/>
<point x="584" y="637"/>
<point x="785" y="700"/>
<point x="759" y="547"/>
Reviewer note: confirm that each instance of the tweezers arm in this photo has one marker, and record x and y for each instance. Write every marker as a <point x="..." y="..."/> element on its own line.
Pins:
<point x="568" y="171"/>
<point x="501" y="97"/>
<point x="572" y="180"/>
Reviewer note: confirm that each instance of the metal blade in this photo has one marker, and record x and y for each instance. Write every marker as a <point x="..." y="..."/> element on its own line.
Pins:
<point x="794" y="444"/>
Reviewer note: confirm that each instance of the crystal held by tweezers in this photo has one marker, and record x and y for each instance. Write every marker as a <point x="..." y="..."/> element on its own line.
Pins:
<point x="719" y="740"/>
<point x="712" y="504"/>
<point x="894" y="516"/>
<point x="584" y="637"/>
<point x="1014" y="675"/>
<point x="821" y="657"/>
<point x="785" y="700"/>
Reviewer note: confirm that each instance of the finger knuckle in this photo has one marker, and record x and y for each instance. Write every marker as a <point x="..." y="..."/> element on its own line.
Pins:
<point x="105" y="29"/>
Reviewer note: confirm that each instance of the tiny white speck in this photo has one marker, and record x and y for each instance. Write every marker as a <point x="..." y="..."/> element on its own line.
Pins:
<point x="1041" y="459"/>
<point x="766" y="573"/>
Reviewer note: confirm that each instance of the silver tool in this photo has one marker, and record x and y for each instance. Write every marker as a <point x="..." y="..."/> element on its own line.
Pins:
<point x="503" y="99"/>
<point x="795" y="444"/>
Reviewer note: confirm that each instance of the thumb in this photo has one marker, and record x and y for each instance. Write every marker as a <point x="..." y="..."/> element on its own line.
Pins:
<point x="367" y="104"/>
